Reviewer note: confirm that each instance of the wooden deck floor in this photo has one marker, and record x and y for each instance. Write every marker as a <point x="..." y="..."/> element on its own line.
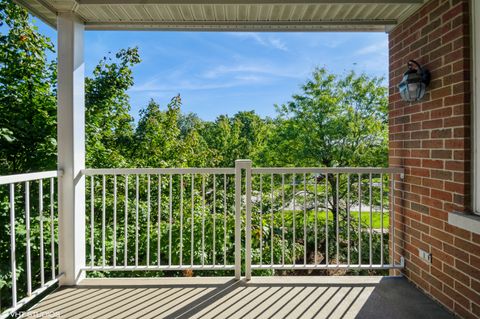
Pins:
<point x="262" y="297"/>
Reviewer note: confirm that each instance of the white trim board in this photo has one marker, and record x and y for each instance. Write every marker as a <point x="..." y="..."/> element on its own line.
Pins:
<point x="475" y="132"/>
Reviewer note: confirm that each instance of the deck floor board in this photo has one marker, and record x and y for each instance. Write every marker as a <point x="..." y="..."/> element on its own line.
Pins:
<point x="262" y="297"/>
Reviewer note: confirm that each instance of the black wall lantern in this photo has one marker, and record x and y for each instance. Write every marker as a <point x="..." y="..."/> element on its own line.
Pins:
<point x="414" y="82"/>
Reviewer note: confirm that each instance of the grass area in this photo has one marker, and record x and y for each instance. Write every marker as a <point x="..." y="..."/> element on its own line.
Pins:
<point x="365" y="217"/>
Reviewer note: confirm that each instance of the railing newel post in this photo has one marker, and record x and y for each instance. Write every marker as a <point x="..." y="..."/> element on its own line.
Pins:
<point x="238" y="222"/>
<point x="248" y="208"/>
<point x="241" y="165"/>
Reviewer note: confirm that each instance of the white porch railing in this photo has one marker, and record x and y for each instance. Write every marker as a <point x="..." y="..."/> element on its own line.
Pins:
<point x="142" y="211"/>
<point x="32" y="227"/>
<point x="330" y="207"/>
<point x="205" y="219"/>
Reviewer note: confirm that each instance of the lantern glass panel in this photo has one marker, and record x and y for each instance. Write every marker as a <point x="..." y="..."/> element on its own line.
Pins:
<point x="413" y="90"/>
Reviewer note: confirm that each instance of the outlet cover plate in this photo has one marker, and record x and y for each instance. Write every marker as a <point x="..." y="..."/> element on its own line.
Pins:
<point x="426" y="256"/>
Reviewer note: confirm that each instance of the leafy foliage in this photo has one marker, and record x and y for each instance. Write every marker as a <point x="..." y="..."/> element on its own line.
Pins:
<point x="166" y="139"/>
<point x="109" y="126"/>
<point x="27" y="95"/>
<point x="239" y="137"/>
<point x="335" y="122"/>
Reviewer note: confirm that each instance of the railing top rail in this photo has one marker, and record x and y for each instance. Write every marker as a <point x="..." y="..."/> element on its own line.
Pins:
<point x="329" y="170"/>
<point x="19" y="178"/>
<point x="147" y="171"/>
<point x="255" y="170"/>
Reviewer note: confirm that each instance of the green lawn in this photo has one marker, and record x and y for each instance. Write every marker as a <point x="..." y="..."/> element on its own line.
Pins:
<point x="365" y="217"/>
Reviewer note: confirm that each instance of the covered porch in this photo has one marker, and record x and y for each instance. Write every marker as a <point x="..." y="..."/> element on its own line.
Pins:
<point x="424" y="194"/>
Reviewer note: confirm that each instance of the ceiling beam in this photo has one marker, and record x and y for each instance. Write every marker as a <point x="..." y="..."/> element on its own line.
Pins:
<point x="294" y="26"/>
<point x="120" y="2"/>
<point x="36" y="12"/>
<point x="256" y="22"/>
<point x="271" y="28"/>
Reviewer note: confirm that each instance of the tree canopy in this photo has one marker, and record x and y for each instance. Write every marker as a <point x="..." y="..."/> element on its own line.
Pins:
<point x="27" y="94"/>
<point x="336" y="121"/>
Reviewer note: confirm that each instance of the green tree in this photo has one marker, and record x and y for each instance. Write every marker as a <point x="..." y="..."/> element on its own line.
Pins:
<point x="188" y="122"/>
<point x="167" y="139"/>
<point x="335" y="122"/>
<point x="239" y="137"/>
<point x="108" y="124"/>
<point x="27" y="94"/>
<point x="27" y="134"/>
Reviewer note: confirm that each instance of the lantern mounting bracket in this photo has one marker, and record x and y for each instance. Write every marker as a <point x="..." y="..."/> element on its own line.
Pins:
<point x="424" y="73"/>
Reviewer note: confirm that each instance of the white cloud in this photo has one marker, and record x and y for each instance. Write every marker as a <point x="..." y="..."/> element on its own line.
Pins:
<point x="376" y="48"/>
<point x="219" y="77"/>
<point x="157" y="86"/>
<point x="277" y="43"/>
<point x="242" y="69"/>
<point x="252" y="78"/>
<point x="266" y="41"/>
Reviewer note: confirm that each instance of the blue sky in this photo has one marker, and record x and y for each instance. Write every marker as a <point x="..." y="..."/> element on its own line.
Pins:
<point x="223" y="73"/>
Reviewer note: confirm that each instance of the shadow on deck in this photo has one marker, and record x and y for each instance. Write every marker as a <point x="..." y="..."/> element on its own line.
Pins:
<point x="262" y="297"/>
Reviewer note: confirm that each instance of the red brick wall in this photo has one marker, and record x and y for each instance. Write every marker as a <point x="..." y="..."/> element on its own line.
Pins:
<point x="431" y="139"/>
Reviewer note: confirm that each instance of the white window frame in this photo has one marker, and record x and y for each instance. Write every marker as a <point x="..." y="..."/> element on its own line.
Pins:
<point x="475" y="167"/>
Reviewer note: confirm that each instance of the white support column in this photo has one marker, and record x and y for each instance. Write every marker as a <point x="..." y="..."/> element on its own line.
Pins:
<point x="71" y="147"/>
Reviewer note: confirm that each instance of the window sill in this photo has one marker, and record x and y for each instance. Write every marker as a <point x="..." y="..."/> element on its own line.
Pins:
<point x="468" y="222"/>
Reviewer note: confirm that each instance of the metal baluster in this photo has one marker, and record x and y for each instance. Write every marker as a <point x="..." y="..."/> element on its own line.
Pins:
<point x="271" y="223"/>
<point x="337" y="221"/>
<point x="137" y="195"/>
<point x="393" y="218"/>
<point x="371" y="221"/>
<point x="40" y="211"/>
<point x="304" y="219"/>
<point x="193" y="218"/>
<point x="12" y="245"/>
<point x="359" y="219"/>
<point x="114" y="220"/>
<point x="326" y="219"/>
<point x="181" y="220"/>
<point x="52" y="226"/>
<point x="348" y="219"/>
<point x="159" y="218"/>
<point x="148" y="220"/>
<point x="125" y="240"/>
<point x="261" y="219"/>
<point x="214" y="217"/>
<point x="224" y="219"/>
<point x="316" y="220"/>
<point x="27" y="230"/>
<point x="203" y="220"/>
<point x="294" y="222"/>
<point x="283" y="219"/>
<point x="170" y="222"/>
<point x="103" y="220"/>
<point x="381" y="219"/>
<point x="92" y="215"/>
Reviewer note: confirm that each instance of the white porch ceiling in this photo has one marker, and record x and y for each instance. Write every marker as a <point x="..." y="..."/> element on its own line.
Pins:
<point x="230" y="15"/>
